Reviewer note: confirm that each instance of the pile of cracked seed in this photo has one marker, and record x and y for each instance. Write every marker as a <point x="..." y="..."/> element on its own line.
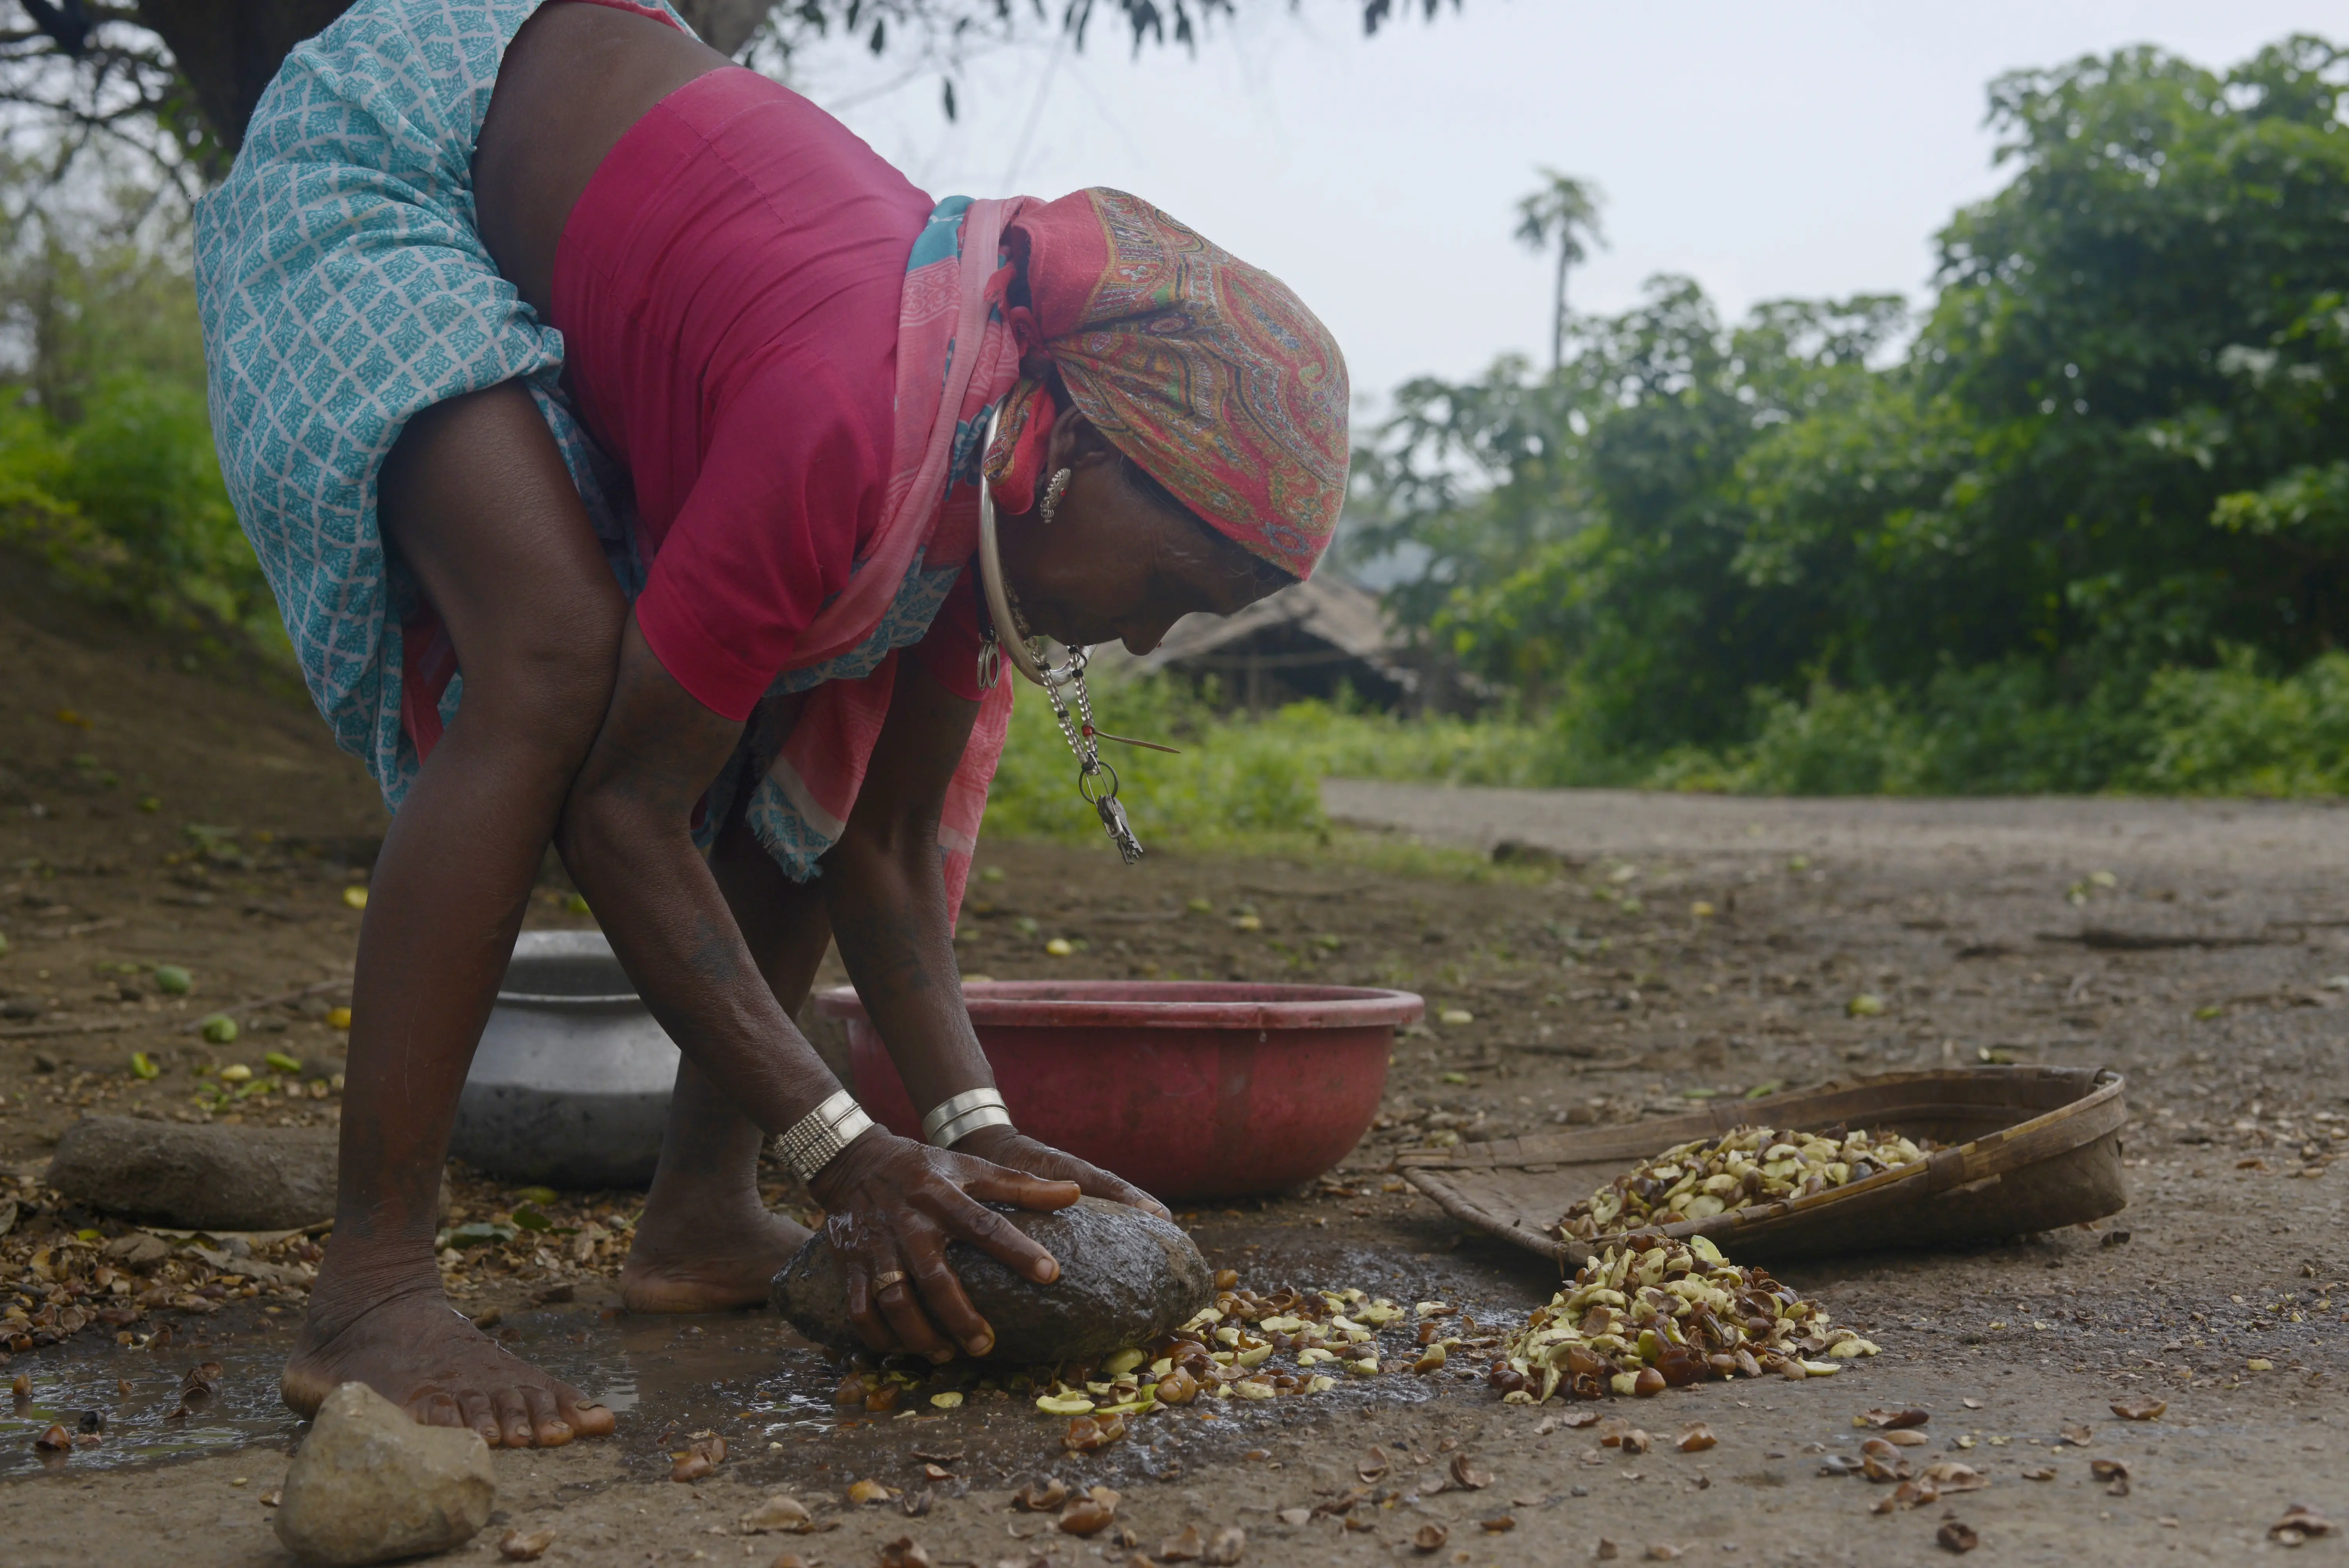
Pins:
<point x="1225" y="1352"/>
<point x="1744" y="1167"/>
<point x="1653" y="1313"/>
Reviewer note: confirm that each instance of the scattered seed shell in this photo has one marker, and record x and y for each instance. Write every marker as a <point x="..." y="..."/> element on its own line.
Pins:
<point x="780" y="1512"/>
<point x="1464" y="1474"/>
<point x="2300" y="1520"/>
<point x="525" y="1546"/>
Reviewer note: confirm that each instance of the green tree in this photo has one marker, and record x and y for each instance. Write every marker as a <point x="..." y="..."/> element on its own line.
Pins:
<point x="1565" y="214"/>
<point x="2117" y="445"/>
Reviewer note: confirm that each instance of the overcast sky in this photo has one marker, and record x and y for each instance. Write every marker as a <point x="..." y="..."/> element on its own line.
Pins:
<point x="1768" y="150"/>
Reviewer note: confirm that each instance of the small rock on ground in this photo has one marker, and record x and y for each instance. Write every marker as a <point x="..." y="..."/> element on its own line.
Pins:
<point x="202" y="1178"/>
<point x="369" y="1485"/>
<point x="1126" y="1277"/>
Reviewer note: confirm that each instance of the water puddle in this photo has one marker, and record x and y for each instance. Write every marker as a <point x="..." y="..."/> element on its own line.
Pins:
<point x="749" y="1377"/>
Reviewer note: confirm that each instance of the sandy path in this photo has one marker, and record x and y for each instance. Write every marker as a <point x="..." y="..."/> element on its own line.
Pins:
<point x="2291" y="840"/>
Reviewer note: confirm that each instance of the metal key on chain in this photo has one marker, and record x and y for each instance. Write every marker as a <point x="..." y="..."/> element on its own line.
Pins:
<point x="1082" y="740"/>
<point x="1006" y="642"/>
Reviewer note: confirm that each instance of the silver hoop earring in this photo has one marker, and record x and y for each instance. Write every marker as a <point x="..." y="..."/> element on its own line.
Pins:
<point x="1053" y="491"/>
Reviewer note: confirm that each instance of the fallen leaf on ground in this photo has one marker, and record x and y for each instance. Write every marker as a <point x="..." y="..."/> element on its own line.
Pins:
<point x="1955" y="1536"/>
<point x="519" y="1546"/>
<point x="2140" y="1409"/>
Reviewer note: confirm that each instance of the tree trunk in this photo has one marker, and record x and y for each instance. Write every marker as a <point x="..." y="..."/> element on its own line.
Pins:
<point x="724" y="25"/>
<point x="229" y="50"/>
<point x="1557" y="321"/>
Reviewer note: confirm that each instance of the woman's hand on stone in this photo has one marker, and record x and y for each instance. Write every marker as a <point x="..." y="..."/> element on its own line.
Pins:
<point x="892" y="1204"/>
<point x="1015" y="1150"/>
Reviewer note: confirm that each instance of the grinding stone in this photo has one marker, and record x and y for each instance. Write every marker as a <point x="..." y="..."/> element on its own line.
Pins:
<point x="1126" y="1277"/>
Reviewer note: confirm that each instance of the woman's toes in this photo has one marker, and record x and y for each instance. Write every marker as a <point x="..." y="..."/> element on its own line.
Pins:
<point x="515" y="1424"/>
<point x="478" y="1416"/>
<point x="547" y="1428"/>
<point x="589" y="1420"/>
<point x="436" y="1409"/>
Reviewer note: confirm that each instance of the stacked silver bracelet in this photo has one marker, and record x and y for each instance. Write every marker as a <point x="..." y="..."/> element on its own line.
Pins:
<point x="811" y="1143"/>
<point x="957" y="1117"/>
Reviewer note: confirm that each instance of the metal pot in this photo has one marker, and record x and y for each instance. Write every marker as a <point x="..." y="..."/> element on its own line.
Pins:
<point x="570" y="1087"/>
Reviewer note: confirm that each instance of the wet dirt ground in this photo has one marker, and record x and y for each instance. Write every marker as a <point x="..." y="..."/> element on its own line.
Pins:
<point x="2192" y="948"/>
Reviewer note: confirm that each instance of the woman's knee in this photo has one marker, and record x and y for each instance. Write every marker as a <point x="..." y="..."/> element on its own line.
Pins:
<point x="543" y="679"/>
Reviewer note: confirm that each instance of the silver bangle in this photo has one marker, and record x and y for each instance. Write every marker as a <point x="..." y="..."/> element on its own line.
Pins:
<point x="946" y="1110"/>
<point x="957" y="1117"/>
<point x="815" y="1139"/>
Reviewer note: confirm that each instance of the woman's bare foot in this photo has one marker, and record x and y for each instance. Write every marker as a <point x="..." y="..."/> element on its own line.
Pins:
<point x="702" y="1250"/>
<point x="417" y="1351"/>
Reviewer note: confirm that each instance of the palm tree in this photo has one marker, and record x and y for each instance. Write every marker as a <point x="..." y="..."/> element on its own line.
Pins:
<point x="1564" y="212"/>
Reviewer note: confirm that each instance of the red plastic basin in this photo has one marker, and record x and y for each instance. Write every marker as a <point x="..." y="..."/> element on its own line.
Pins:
<point x="1189" y="1090"/>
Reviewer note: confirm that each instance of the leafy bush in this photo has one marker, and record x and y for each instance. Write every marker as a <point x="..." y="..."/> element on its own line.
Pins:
<point x="2233" y="731"/>
<point x="2116" y="444"/>
<point x="1239" y="777"/>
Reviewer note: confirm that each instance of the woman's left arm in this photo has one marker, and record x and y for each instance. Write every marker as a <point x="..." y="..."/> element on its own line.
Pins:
<point x="884" y="889"/>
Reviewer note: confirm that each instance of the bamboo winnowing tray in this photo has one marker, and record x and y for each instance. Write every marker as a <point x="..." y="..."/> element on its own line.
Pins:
<point x="2027" y="1149"/>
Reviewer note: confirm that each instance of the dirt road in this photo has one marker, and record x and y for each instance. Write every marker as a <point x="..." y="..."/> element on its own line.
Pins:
<point x="2196" y="948"/>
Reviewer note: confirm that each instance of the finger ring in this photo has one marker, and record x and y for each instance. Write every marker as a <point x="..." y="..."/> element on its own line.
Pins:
<point x="884" y="1281"/>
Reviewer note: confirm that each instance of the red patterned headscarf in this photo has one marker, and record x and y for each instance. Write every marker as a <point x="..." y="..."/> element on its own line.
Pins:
<point x="1205" y="371"/>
